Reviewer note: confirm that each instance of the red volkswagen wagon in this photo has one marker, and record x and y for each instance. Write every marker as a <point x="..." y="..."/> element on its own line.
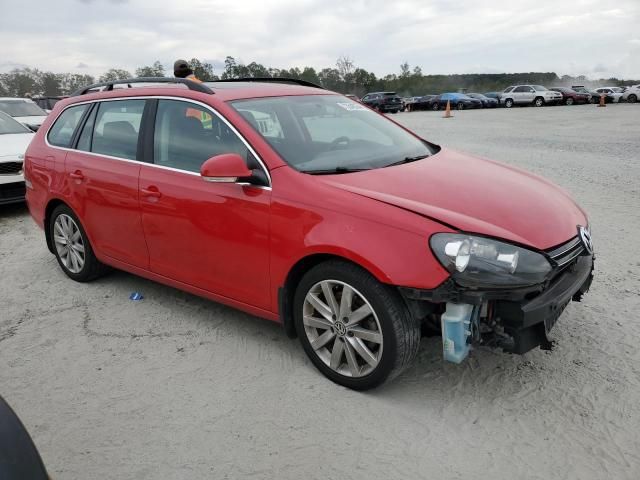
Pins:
<point x="304" y="207"/>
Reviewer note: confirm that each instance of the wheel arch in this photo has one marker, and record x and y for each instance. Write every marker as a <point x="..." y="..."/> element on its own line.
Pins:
<point x="287" y="290"/>
<point x="51" y="206"/>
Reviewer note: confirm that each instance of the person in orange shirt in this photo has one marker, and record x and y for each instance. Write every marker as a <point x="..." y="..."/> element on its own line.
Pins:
<point x="181" y="69"/>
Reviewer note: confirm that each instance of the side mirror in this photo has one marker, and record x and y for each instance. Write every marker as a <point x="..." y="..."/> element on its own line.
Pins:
<point x="225" y="168"/>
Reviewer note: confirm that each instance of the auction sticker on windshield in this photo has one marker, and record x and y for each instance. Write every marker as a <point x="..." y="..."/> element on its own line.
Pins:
<point x="351" y="106"/>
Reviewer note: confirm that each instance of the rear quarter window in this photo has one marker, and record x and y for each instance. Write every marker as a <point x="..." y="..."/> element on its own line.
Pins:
<point x="62" y="130"/>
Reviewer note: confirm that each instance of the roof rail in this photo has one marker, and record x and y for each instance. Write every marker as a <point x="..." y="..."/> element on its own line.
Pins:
<point x="297" y="81"/>
<point x="198" y="87"/>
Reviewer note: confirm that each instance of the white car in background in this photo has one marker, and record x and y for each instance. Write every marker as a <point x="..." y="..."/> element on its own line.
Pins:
<point x="615" y="92"/>
<point x="24" y="110"/>
<point x="631" y="94"/>
<point x="529" y="95"/>
<point x="14" y="140"/>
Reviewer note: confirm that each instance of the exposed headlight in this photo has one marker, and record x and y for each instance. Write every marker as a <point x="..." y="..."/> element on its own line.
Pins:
<point x="483" y="262"/>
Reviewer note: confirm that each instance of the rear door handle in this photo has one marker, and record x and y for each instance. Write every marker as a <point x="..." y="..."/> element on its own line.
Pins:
<point x="77" y="175"/>
<point x="152" y="192"/>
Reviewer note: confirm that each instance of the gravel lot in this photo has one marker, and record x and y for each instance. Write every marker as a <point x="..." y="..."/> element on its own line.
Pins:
<point x="175" y="386"/>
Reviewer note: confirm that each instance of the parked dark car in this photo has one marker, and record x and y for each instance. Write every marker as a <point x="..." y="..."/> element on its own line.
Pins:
<point x="594" y="97"/>
<point x="47" y="103"/>
<point x="487" y="102"/>
<point x="383" y="101"/>
<point x="495" y="95"/>
<point x="424" y="102"/>
<point x="459" y="101"/>
<point x="570" y="96"/>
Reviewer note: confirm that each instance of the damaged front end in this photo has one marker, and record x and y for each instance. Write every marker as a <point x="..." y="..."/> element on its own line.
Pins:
<point x="515" y="319"/>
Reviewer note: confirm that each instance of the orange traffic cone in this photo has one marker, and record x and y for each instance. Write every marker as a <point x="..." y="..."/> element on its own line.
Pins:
<point x="602" y="104"/>
<point x="447" y="111"/>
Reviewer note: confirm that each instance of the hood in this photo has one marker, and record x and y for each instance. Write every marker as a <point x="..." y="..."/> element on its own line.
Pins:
<point x="473" y="195"/>
<point x="14" y="144"/>
<point x="35" y="120"/>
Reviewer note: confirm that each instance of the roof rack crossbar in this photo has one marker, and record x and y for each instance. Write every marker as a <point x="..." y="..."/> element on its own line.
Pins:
<point x="297" y="81"/>
<point x="191" y="85"/>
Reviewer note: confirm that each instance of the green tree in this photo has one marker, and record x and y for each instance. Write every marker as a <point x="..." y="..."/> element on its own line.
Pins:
<point x="155" y="70"/>
<point x="114" y="74"/>
<point x="49" y="84"/>
<point x="70" y="82"/>
<point x="202" y="70"/>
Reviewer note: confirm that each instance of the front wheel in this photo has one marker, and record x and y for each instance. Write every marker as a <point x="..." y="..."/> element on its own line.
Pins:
<point x="435" y="107"/>
<point x="508" y="103"/>
<point x="569" y="101"/>
<point x="460" y="106"/>
<point x="356" y="330"/>
<point x="71" y="246"/>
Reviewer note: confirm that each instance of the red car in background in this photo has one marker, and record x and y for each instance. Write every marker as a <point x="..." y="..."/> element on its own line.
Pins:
<point x="570" y="97"/>
<point x="301" y="206"/>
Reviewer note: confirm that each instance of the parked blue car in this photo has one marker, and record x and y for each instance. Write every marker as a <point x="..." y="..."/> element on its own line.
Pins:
<point x="458" y="101"/>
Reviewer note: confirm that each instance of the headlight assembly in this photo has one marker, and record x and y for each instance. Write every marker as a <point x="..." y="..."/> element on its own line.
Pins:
<point x="482" y="262"/>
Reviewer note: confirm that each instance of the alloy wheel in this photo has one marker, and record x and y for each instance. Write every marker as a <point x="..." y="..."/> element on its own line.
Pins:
<point x="69" y="243"/>
<point x="342" y="328"/>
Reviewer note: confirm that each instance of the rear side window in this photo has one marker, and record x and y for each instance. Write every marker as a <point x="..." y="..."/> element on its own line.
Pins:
<point x="116" y="129"/>
<point x="61" y="133"/>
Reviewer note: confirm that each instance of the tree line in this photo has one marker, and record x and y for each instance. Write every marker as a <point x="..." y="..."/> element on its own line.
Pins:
<point x="344" y="77"/>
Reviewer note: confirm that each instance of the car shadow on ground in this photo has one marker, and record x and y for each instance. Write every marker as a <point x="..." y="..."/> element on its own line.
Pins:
<point x="487" y="373"/>
<point x="13" y="210"/>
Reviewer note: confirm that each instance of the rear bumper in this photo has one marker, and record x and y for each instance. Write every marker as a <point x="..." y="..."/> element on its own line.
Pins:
<point x="12" y="192"/>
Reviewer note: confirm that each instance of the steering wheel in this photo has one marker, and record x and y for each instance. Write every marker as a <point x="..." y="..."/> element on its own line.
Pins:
<point x="340" y="141"/>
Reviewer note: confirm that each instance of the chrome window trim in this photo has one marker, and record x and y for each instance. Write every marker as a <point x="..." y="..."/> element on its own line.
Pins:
<point x="160" y="97"/>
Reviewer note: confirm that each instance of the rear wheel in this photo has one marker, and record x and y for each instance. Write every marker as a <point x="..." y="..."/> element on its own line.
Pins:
<point x="633" y="98"/>
<point x="539" y="102"/>
<point x="508" y="103"/>
<point x="71" y="246"/>
<point x="435" y="107"/>
<point x="356" y="330"/>
<point x="569" y="101"/>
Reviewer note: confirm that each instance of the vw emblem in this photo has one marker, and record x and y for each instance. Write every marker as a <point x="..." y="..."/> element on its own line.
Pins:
<point x="341" y="328"/>
<point x="585" y="236"/>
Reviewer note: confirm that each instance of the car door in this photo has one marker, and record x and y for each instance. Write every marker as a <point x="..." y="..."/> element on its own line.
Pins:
<point x="519" y="94"/>
<point x="213" y="236"/>
<point x="103" y="173"/>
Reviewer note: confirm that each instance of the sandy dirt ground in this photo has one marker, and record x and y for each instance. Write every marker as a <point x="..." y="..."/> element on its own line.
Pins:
<point x="178" y="387"/>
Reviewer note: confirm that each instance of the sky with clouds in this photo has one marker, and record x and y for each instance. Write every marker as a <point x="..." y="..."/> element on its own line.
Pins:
<point x="581" y="37"/>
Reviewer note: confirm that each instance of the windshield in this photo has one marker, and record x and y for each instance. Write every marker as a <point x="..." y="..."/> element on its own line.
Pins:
<point x="539" y="88"/>
<point x="329" y="133"/>
<point x="389" y="94"/>
<point x="20" y="108"/>
<point x="9" y="125"/>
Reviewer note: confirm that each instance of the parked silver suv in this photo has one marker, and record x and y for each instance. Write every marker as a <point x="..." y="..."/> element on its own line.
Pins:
<point x="529" y="95"/>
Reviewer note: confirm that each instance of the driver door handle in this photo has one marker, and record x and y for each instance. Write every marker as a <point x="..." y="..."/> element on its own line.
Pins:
<point x="77" y="175"/>
<point x="152" y="192"/>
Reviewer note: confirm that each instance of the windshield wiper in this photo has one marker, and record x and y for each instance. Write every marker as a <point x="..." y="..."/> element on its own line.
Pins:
<point x="331" y="171"/>
<point x="408" y="160"/>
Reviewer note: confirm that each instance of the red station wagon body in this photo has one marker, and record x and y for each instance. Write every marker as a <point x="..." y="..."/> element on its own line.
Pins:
<point x="239" y="243"/>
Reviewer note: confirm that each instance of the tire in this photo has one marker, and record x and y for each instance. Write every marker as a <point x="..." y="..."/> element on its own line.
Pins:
<point x="633" y="98"/>
<point x="538" y="102"/>
<point x="388" y="320"/>
<point x="460" y="106"/>
<point x="80" y="263"/>
<point x="435" y="107"/>
<point x="508" y="103"/>
<point x="568" y="101"/>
